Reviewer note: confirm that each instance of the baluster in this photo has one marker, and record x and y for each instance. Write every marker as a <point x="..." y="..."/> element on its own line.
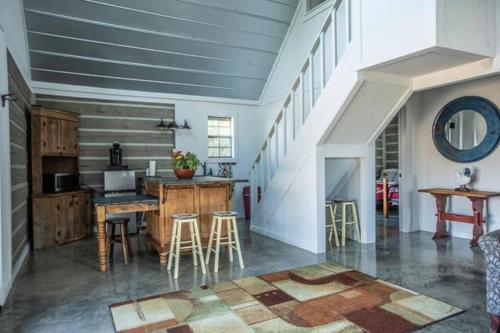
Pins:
<point x="322" y="59"/>
<point x="311" y="81"/>
<point x="334" y="37"/>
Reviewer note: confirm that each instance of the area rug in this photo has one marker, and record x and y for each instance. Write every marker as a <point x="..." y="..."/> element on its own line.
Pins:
<point x="319" y="298"/>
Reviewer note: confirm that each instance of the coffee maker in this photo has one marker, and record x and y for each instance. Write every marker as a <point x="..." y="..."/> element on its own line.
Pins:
<point x="115" y="158"/>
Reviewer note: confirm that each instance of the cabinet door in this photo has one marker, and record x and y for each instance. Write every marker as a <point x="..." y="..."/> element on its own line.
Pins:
<point x="50" y="135"/>
<point x="69" y="137"/>
<point x="81" y="215"/>
<point x="64" y="224"/>
<point x="44" y="222"/>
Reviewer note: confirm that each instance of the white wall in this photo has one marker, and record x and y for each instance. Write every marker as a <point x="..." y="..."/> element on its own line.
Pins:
<point x="394" y="28"/>
<point x="13" y="38"/>
<point x="433" y="170"/>
<point x="13" y="24"/>
<point x="5" y="194"/>
<point x="196" y="111"/>
<point x="304" y="29"/>
<point x="196" y="140"/>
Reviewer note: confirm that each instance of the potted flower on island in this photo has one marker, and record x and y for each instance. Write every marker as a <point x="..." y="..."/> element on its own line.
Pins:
<point x="185" y="165"/>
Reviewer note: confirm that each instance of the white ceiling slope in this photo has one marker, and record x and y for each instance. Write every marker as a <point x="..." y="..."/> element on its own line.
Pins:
<point x="216" y="48"/>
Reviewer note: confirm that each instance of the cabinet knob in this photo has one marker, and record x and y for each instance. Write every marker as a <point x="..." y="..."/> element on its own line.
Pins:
<point x="58" y="207"/>
<point x="44" y="143"/>
<point x="43" y="123"/>
<point x="64" y="147"/>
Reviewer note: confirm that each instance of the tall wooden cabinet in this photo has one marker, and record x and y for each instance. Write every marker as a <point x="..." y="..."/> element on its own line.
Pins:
<point x="58" y="218"/>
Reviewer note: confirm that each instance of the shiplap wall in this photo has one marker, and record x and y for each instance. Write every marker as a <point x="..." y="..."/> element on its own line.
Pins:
<point x="387" y="146"/>
<point x="133" y="125"/>
<point x="19" y="112"/>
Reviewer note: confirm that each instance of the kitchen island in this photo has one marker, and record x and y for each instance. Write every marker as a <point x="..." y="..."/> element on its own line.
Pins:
<point x="200" y="195"/>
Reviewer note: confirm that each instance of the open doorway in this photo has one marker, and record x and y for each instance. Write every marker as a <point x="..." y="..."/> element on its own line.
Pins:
<point x="387" y="173"/>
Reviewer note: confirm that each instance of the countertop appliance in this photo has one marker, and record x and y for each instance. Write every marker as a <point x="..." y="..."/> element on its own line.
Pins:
<point x="121" y="183"/>
<point x="60" y="182"/>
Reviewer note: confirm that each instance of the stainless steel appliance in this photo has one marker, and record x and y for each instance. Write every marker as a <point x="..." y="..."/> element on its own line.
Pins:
<point x="121" y="183"/>
<point x="60" y="182"/>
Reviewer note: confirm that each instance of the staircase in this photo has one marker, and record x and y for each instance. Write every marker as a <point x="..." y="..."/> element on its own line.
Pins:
<point x="340" y="101"/>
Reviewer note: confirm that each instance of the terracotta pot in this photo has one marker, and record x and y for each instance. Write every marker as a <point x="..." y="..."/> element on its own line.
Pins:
<point x="184" y="173"/>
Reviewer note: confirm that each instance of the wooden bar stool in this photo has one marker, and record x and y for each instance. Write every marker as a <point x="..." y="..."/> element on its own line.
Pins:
<point x="232" y="231"/>
<point x="343" y="206"/>
<point x="123" y="237"/>
<point x="331" y="227"/>
<point x="176" y="241"/>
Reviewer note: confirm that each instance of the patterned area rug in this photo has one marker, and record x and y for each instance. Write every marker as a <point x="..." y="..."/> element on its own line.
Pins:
<point x="319" y="298"/>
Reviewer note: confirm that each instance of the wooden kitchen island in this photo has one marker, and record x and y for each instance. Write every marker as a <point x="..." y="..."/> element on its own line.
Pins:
<point x="200" y="195"/>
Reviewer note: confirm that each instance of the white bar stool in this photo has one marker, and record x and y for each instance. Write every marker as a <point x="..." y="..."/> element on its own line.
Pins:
<point x="176" y="241"/>
<point x="331" y="227"/>
<point x="343" y="206"/>
<point x="232" y="230"/>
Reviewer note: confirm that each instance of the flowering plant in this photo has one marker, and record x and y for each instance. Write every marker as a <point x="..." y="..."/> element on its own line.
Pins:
<point x="185" y="161"/>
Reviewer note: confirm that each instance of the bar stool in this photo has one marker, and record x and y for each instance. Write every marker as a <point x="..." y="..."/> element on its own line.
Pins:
<point x="343" y="205"/>
<point x="232" y="231"/>
<point x="179" y="221"/>
<point x="331" y="227"/>
<point x="123" y="238"/>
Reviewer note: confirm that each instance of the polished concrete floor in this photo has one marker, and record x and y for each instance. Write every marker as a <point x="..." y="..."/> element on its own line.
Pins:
<point x="60" y="289"/>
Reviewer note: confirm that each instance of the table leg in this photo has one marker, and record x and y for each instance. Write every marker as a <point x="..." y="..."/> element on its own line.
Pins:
<point x="477" y="231"/>
<point x="101" y="238"/>
<point x="440" y="222"/>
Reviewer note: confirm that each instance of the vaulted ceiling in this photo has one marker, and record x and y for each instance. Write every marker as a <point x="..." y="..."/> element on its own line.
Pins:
<point x="216" y="48"/>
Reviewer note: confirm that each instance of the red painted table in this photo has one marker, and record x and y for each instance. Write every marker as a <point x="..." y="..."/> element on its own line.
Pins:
<point x="477" y="198"/>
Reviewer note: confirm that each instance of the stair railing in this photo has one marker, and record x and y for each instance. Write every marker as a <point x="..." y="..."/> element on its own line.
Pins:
<point x="325" y="55"/>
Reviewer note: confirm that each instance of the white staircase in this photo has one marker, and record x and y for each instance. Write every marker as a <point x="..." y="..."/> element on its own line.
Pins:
<point x="340" y="101"/>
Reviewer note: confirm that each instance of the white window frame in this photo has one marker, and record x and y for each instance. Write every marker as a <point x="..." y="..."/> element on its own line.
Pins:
<point x="234" y="143"/>
<point x="311" y="12"/>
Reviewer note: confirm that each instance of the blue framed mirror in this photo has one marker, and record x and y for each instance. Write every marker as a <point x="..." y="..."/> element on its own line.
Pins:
<point x="467" y="129"/>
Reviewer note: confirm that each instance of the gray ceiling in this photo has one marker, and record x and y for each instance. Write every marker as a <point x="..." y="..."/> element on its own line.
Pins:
<point x="218" y="48"/>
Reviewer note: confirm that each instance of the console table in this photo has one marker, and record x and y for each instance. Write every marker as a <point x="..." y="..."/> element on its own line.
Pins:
<point x="477" y="198"/>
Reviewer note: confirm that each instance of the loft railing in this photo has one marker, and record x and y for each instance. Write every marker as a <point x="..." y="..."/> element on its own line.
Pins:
<point x="326" y="53"/>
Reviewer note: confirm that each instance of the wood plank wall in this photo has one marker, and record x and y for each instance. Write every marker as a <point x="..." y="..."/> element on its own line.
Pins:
<point x="133" y="125"/>
<point x="19" y="115"/>
<point x="387" y="145"/>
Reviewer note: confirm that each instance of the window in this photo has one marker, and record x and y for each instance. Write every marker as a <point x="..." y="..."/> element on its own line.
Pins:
<point x="220" y="137"/>
<point x="311" y="4"/>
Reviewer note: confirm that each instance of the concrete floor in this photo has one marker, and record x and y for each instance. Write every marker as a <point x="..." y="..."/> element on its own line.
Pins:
<point x="60" y="289"/>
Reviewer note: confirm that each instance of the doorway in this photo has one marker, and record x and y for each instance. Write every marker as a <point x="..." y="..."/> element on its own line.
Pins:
<point x="387" y="171"/>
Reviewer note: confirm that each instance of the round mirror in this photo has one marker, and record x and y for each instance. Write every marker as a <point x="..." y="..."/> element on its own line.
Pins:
<point x="466" y="129"/>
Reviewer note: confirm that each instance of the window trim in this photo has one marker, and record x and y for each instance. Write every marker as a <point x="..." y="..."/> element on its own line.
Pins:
<point x="312" y="12"/>
<point x="233" y="139"/>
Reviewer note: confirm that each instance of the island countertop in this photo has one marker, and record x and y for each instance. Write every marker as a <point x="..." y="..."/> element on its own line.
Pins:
<point x="194" y="181"/>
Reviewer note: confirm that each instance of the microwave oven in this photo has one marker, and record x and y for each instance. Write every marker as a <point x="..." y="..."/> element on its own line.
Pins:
<point x="60" y="182"/>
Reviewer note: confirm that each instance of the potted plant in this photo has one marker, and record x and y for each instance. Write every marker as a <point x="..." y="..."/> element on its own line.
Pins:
<point x="185" y="165"/>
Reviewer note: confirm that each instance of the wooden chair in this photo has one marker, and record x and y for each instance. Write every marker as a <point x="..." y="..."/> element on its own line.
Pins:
<point x="176" y="241"/>
<point x="231" y="240"/>
<point x="331" y="227"/>
<point x="343" y="206"/>
<point x="123" y="237"/>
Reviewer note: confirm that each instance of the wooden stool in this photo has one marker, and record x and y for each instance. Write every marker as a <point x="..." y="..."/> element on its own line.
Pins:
<point x="232" y="230"/>
<point x="343" y="205"/>
<point x="331" y="226"/>
<point x="123" y="238"/>
<point x="176" y="240"/>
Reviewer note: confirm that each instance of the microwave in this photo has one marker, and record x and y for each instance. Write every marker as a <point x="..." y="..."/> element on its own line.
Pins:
<point x="60" y="182"/>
